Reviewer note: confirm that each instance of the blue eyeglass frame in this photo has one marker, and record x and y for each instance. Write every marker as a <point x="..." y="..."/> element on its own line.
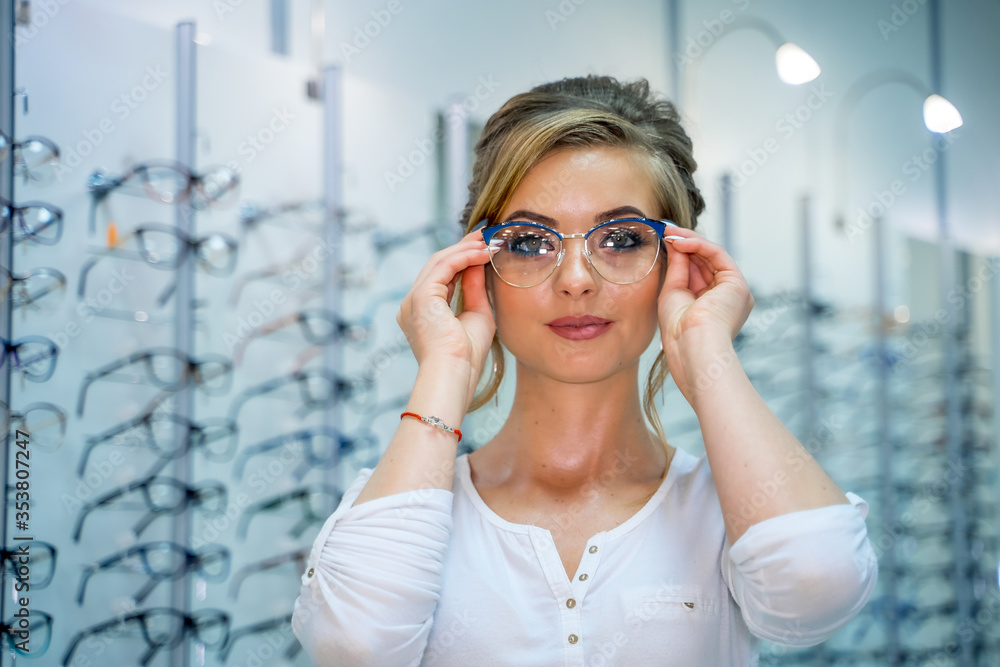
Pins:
<point x="659" y="226"/>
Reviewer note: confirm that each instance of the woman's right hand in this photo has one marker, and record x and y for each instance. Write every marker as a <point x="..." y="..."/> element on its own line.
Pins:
<point x="426" y="318"/>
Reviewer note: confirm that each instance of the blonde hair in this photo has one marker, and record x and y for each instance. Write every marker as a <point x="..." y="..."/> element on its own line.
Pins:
<point x="577" y="113"/>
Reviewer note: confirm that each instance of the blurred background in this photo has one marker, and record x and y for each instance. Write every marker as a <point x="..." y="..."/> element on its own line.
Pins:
<point x="212" y="211"/>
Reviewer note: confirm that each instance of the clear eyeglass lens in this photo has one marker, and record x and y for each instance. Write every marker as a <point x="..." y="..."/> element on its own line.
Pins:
<point x="37" y="161"/>
<point x="163" y="627"/>
<point x="40" y="222"/>
<point x="40" y="292"/>
<point x="216" y="253"/>
<point x="165" y="184"/>
<point x="161" y="249"/>
<point x="164" y="560"/>
<point x="319" y="326"/>
<point x="167" y="369"/>
<point x="213" y="564"/>
<point x="622" y="252"/>
<point x="35" y="359"/>
<point x="162" y="433"/>
<point x="46" y="426"/>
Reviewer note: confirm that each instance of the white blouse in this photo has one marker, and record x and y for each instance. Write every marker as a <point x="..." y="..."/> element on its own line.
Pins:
<point x="435" y="577"/>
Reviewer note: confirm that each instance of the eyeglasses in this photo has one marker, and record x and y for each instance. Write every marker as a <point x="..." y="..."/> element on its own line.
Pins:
<point x="318" y="325"/>
<point x="44" y="423"/>
<point x="162" y="496"/>
<point x="40" y="290"/>
<point x="622" y="251"/>
<point x="299" y="557"/>
<point x="215" y="438"/>
<point x="35" y="221"/>
<point x="35" y="157"/>
<point x="33" y="559"/>
<point x="320" y="446"/>
<point x="165" y="247"/>
<point x="283" y="622"/>
<point x="170" y="369"/>
<point x="318" y="388"/>
<point x="161" y="628"/>
<point x="34" y="356"/>
<point x="162" y="561"/>
<point x="36" y="637"/>
<point x="166" y="182"/>
<point x="315" y="501"/>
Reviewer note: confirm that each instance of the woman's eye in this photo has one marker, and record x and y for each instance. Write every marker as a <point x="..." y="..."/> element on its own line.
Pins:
<point x="621" y="239"/>
<point x="528" y="244"/>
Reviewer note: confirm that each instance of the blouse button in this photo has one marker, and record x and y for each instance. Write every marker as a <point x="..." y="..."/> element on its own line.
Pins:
<point x="573" y="639"/>
<point x="593" y="550"/>
<point x="311" y="572"/>
<point x="571" y="603"/>
<point x="583" y="577"/>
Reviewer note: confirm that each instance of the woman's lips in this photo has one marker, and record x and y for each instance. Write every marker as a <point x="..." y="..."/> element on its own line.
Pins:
<point x="580" y="333"/>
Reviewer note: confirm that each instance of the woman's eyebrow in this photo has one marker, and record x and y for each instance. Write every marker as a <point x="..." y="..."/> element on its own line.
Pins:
<point x="617" y="212"/>
<point x="524" y="214"/>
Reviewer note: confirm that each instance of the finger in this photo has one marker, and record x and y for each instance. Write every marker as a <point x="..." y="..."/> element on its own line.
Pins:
<point x="442" y="272"/>
<point x="678" y="269"/>
<point x="712" y="256"/>
<point x="474" y="290"/>
<point x="432" y="271"/>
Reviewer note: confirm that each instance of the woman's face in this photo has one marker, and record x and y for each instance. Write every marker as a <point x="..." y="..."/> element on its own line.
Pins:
<point x="571" y="191"/>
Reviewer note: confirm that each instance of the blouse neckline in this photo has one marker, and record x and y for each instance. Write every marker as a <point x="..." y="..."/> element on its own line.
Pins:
<point x="464" y="473"/>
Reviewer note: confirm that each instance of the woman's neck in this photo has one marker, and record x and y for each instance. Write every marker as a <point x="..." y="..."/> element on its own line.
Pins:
<point x="563" y="437"/>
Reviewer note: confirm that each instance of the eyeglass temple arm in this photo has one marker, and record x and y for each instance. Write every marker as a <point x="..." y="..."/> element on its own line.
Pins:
<point x="94" y="376"/>
<point x="90" y="263"/>
<point x="150" y="586"/>
<point x="239" y="466"/>
<point x="263" y="330"/>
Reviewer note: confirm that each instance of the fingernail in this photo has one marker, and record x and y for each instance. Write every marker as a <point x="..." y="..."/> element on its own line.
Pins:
<point x="674" y="238"/>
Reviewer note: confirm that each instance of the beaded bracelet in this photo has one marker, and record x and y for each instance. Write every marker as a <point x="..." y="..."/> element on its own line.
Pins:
<point x="435" y="422"/>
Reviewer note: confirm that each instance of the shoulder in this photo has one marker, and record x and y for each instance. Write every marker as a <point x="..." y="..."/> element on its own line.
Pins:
<point x="692" y="478"/>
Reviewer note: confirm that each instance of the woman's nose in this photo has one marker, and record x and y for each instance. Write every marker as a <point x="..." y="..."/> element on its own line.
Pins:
<point x="574" y="273"/>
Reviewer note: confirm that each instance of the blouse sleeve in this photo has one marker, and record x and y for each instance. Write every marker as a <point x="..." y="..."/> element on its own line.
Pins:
<point x="800" y="577"/>
<point x="373" y="578"/>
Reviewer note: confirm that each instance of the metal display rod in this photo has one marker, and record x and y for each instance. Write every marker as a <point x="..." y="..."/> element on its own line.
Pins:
<point x="184" y="299"/>
<point x="886" y="441"/>
<point x="333" y="199"/>
<point x="6" y="241"/>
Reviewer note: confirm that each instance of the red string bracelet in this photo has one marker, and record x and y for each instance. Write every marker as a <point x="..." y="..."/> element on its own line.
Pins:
<point x="435" y="422"/>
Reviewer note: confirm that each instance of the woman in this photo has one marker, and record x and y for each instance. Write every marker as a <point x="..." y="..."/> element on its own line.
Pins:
<point x="578" y="535"/>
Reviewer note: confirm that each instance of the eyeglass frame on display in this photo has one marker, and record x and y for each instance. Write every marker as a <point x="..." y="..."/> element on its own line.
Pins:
<point x="13" y="416"/>
<point x="299" y="556"/>
<point x="338" y="385"/>
<point x="35" y="581"/>
<point x="13" y="210"/>
<point x="189" y="625"/>
<point x="13" y="278"/>
<point x="301" y="494"/>
<point x="12" y="345"/>
<point x="256" y="628"/>
<point x="193" y="561"/>
<point x="310" y="460"/>
<point x="194" y="438"/>
<point x="192" y="496"/>
<point x="20" y="164"/>
<point x="100" y="185"/>
<point x="146" y="356"/>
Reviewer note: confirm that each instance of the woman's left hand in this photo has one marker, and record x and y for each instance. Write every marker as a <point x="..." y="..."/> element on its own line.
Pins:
<point x="704" y="300"/>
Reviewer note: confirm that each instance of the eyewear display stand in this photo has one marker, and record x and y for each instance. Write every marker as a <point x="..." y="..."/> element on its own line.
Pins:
<point x="333" y="198"/>
<point x="7" y="262"/>
<point x="184" y="298"/>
